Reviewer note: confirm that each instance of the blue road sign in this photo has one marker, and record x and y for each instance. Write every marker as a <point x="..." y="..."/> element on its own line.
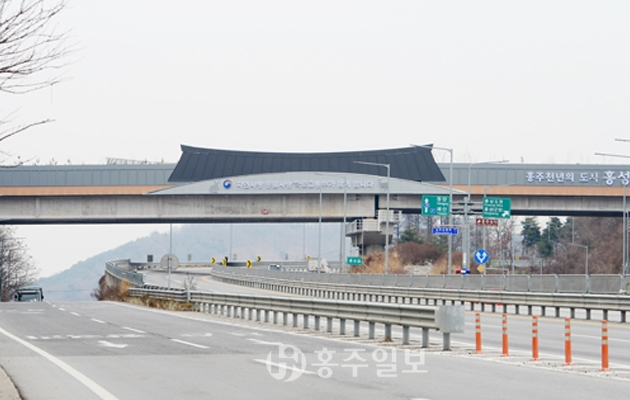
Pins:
<point x="481" y="256"/>
<point x="445" y="230"/>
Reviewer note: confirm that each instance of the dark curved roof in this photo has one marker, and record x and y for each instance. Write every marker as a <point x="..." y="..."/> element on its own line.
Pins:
<point x="413" y="163"/>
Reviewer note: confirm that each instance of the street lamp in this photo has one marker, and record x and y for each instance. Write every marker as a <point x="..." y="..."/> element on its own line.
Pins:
<point x="319" y="240"/>
<point x="342" y="243"/>
<point x="450" y="200"/>
<point x="584" y="247"/>
<point x="624" y="219"/>
<point x="387" y="208"/>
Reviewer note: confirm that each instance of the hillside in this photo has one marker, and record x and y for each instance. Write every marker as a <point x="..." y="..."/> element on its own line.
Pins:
<point x="198" y="243"/>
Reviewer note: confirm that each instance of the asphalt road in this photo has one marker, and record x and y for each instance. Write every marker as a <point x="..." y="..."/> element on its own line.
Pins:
<point x="90" y="350"/>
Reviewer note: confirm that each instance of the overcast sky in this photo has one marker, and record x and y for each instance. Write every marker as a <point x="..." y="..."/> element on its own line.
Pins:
<point x="535" y="81"/>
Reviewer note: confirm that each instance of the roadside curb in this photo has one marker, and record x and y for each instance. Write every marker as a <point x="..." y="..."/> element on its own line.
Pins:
<point x="7" y="388"/>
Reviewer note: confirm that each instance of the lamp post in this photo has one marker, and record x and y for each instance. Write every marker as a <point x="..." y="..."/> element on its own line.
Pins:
<point x="466" y="236"/>
<point x="387" y="208"/>
<point x="450" y="200"/>
<point x="342" y="240"/>
<point x="342" y="251"/>
<point x="319" y="239"/>
<point x="624" y="219"/>
<point x="586" y="261"/>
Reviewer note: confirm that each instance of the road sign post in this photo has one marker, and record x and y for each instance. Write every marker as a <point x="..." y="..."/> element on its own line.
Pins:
<point x="497" y="207"/>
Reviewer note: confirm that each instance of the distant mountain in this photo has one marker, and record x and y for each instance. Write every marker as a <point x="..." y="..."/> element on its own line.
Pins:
<point x="272" y="242"/>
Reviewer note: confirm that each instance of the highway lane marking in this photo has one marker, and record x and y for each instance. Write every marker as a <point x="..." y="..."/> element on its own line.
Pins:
<point x="98" y="320"/>
<point x="75" y="314"/>
<point x="133" y="330"/>
<point x="110" y="344"/>
<point x="200" y="346"/>
<point x="283" y="366"/>
<point x="87" y="382"/>
<point x="256" y="341"/>
<point x="197" y="334"/>
<point x="75" y="337"/>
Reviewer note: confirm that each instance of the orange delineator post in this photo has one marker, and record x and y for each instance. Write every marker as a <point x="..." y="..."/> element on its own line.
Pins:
<point x="535" y="338"/>
<point x="605" y="346"/>
<point x="505" y="337"/>
<point x="478" y="334"/>
<point x="567" y="341"/>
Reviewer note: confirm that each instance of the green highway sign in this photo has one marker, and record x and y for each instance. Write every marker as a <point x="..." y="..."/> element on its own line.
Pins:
<point x="497" y="207"/>
<point x="436" y="206"/>
<point x="354" y="260"/>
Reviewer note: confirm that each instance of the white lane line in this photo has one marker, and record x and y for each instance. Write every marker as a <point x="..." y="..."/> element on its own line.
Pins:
<point x="282" y="366"/>
<point x="98" y="320"/>
<point x="76" y="314"/>
<point x="133" y="330"/>
<point x="110" y="344"/>
<point x="190" y="344"/>
<point x="62" y="309"/>
<point x="90" y="384"/>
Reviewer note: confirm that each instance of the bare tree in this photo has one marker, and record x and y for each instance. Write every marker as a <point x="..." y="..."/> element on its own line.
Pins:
<point x="16" y="266"/>
<point x="31" y="48"/>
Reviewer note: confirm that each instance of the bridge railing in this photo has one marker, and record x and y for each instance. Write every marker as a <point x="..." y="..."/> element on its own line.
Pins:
<point x="377" y="291"/>
<point x="448" y="319"/>
<point x="120" y="270"/>
<point x="595" y="284"/>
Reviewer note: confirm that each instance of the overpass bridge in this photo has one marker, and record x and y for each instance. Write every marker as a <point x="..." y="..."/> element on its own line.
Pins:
<point x="63" y="194"/>
<point x="221" y="186"/>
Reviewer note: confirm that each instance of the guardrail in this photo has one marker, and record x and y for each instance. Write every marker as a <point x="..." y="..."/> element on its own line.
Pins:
<point x="447" y="318"/>
<point x="414" y="295"/>
<point x="118" y="269"/>
<point x="595" y="284"/>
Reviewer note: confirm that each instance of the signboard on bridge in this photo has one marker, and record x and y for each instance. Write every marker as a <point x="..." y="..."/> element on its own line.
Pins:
<point x="436" y="206"/>
<point x="497" y="207"/>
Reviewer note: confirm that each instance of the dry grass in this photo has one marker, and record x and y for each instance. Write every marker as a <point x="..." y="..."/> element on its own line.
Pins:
<point x="110" y="293"/>
<point x="440" y="266"/>
<point x="120" y="293"/>
<point x="161" y="304"/>
<point x="374" y="263"/>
